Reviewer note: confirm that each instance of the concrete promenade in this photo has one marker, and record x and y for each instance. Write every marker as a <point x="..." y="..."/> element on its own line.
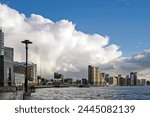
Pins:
<point x="11" y="95"/>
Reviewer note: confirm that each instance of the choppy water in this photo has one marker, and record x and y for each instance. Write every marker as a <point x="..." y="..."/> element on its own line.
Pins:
<point x="93" y="93"/>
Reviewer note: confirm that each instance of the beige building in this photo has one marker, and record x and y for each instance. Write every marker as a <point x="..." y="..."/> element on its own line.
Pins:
<point x="94" y="76"/>
<point x="115" y="81"/>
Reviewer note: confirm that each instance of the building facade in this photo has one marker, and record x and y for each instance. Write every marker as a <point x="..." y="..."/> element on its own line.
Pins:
<point x="6" y="63"/>
<point x="68" y="80"/>
<point x="115" y="81"/>
<point x="19" y="79"/>
<point x="58" y="76"/>
<point x="1" y="42"/>
<point x="94" y="76"/>
<point x="19" y="67"/>
<point x="133" y="77"/>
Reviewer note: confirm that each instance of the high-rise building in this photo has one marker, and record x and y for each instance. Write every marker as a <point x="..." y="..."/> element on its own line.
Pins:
<point x="133" y="77"/>
<point x="125" y="81"/>
<point x="6" y="63"/>
<point x="128" y="80"/>
<point x="94" y="76"/>
<point x="143" y="82"/>
<point x="120" y="80"/>
<point x="97" y="76"/>
<point x="114" y="80"/>
<point x="102" y="80"/>
<point x="138" y="82"/>
<point x="1" y="42"/>
<point x="107" y="78"/>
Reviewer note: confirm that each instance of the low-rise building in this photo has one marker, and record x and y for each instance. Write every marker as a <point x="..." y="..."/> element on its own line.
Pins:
<point x="84" y="81"/>
<point x="68" y="80"/>
<point x="143" y="82"/>
<point x="59" y="77"/>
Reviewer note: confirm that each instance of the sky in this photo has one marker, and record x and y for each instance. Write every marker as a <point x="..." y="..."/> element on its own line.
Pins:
<point x="120" y="30"/>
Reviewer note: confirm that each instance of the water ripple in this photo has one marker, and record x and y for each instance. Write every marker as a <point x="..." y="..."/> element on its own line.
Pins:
<point x="93" y="93"/>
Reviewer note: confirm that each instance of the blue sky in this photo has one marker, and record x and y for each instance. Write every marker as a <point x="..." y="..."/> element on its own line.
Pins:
<point x="126" y="22"/>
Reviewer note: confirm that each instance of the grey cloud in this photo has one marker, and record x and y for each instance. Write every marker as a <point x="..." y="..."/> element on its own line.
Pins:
<point x="139" y="62"/>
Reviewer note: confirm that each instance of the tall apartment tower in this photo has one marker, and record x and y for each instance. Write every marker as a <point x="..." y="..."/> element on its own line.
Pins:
<point x="133" y="77"/>
<point x="1" y="42"/>
<point x="93" y="75"/>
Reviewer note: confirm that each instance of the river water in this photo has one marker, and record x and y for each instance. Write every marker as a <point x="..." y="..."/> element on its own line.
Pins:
<point x="93" y="93"/>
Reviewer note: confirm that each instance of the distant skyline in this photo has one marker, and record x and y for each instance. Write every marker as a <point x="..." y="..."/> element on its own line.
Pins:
<point x="114" y="34"/>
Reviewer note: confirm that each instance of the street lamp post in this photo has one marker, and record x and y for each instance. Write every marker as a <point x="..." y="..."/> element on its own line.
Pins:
<point x="26" y="42"/>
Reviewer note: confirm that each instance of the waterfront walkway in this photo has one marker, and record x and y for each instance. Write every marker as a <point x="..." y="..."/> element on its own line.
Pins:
<point x="11" y="95"/>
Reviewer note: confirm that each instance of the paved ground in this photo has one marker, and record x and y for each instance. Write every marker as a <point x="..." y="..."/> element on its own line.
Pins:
<point x="11" y="95"/>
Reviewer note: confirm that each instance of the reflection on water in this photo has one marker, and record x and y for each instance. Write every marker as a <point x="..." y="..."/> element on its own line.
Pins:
<point x="93" y="93"/>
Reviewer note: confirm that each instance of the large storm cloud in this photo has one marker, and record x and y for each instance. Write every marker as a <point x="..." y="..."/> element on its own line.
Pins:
<point x="57" y="46"/>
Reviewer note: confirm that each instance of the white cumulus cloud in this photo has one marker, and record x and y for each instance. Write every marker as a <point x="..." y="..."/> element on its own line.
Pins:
<point x="57" y="46"/>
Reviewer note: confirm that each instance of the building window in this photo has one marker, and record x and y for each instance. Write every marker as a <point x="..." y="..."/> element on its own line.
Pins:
<point x="9" y="76"/>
